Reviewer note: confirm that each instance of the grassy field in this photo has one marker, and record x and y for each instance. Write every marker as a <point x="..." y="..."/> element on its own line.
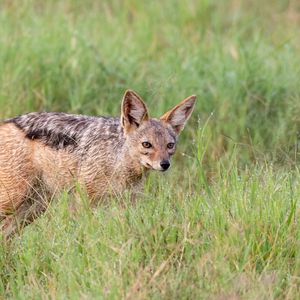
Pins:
<point x="223" y="223"/>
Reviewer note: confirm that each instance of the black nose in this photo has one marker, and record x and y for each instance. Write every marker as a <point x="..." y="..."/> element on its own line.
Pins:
<point x="165" y="164"/>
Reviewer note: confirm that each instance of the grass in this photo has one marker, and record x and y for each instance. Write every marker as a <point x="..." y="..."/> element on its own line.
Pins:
<point x="223" y="224"/>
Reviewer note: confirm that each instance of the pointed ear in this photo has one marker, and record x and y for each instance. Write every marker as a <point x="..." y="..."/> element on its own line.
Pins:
<point x="134" y="111"/>
<point x="178" y="116"/>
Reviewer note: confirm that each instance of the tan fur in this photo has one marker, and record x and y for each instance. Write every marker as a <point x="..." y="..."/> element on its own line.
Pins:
<point x="37" y="159"/>
<point x="17" y="171"/>
<point x="56" y="168"/>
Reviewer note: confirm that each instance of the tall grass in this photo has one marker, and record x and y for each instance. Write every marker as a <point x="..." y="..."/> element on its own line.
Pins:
<point x="223" y="222"/>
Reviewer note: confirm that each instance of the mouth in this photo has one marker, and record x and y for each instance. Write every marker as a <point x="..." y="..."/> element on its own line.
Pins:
<point x="148" y="166"/>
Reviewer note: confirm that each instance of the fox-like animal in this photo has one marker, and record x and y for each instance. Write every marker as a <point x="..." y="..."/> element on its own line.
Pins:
<point x="52" y="151"/>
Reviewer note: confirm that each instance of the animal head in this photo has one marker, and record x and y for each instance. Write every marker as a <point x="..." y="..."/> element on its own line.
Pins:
<point x="153" y="141"/>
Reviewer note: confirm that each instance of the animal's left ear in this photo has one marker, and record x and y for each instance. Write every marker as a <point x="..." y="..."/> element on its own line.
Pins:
<point x="178" y="116"/>
<point x="134" y="111"/>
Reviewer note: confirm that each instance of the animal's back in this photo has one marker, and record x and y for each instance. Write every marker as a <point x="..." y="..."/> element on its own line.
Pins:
<point x="66" y="131"/>
<point x="53" y="149"/>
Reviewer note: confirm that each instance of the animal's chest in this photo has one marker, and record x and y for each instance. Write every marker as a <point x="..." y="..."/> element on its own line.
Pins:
<point x="106" y="181"/>
<point x="105" y="176"/>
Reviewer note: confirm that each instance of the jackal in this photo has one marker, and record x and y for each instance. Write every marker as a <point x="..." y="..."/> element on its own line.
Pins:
<point x="51" y="151"/>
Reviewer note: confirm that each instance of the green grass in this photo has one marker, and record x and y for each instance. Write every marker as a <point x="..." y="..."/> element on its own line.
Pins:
<point x="224" y="221"/>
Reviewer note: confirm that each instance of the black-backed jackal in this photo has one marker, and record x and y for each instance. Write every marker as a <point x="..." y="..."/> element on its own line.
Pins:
<point x="49" y="152"/>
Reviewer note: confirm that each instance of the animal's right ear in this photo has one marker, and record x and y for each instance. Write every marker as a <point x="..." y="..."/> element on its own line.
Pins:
<point x="134" y="111"/>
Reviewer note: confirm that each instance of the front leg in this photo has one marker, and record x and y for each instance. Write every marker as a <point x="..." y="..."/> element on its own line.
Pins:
<point x="136" y="191"/>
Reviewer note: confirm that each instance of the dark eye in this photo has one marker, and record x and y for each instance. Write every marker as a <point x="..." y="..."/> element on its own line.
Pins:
<point x="170" y="145"/>
<point x="146" y="145"/>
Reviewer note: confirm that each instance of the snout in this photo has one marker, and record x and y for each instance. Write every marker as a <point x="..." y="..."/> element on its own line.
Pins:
<point x="157" y="165"/>
<point x="165" y="164"/>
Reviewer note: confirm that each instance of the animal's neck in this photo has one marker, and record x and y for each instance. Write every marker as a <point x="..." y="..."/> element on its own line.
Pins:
<point x="128" y="168"/>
